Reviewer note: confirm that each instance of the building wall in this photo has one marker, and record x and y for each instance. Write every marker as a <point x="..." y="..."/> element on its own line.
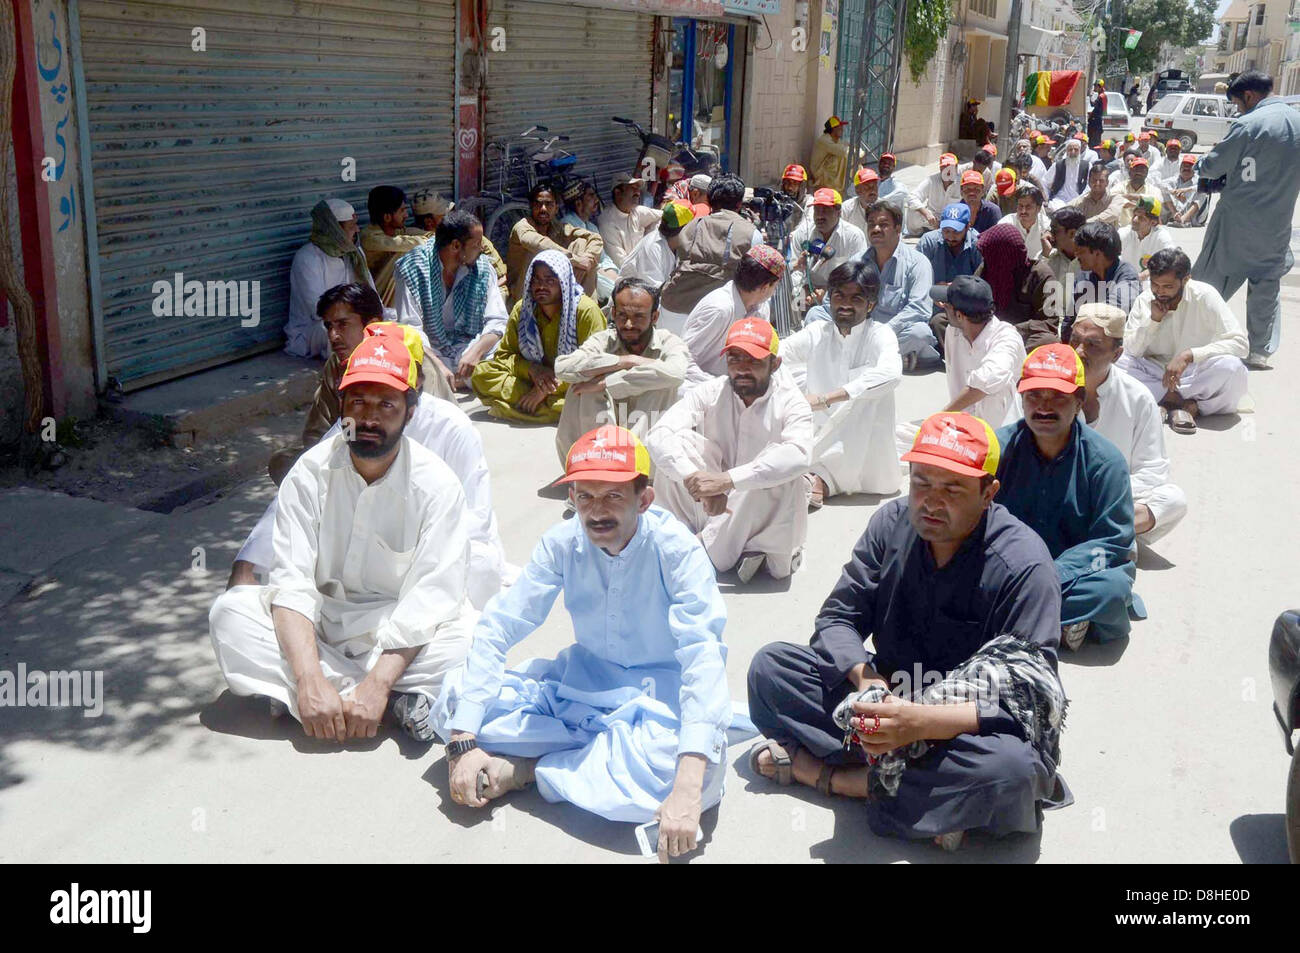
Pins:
<point x="66" y="203"/>
<point x="926" y="118"/>
<point x="790" y="96"/>
<point x="11" y="378"/>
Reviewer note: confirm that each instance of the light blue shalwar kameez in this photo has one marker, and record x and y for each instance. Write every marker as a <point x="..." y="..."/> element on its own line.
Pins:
<point x="1249" y="235"/>
<point x="645" y="682"/>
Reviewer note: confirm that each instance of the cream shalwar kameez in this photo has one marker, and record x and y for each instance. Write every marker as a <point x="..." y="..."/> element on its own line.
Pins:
<point x="765" y="448"/>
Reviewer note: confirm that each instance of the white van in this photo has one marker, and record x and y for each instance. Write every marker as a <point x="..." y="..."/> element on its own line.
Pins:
<point x="1193" y="118"/>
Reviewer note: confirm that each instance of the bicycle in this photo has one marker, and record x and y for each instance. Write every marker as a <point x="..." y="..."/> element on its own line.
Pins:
<point x="501" y="211"/>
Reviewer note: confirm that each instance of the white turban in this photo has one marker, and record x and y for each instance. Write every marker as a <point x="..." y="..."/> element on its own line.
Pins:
<point x="341" y="209"/>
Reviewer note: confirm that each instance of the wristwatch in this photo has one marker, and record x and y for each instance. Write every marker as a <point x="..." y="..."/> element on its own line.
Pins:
<point x="457" y="748"/>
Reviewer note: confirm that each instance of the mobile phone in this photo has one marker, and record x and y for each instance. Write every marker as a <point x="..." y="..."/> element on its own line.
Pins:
<point x="647" y="838"/>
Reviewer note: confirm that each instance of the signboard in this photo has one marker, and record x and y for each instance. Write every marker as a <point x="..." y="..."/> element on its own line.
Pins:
<point x="753" y="8"/>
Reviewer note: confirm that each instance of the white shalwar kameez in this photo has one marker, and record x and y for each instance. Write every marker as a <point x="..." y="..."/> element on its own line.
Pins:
<point x="652" y="260"/>
<point x="853" y="441"/>
<point x="765" y="448"/>
<point x="991" y="363"/>
<point x="1203" y="323"/>
<point x="706" y="330"/>
<point x="312" y="274"/>
<point x="445" y="429"/>
<point x="374" y="567"/>
<point x="1130" y="419"/>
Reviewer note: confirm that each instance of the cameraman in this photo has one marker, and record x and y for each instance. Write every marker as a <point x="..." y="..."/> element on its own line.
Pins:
<point x="1249" y="235"/>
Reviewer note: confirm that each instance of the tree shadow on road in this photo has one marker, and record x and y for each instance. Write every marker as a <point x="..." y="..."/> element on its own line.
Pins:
<point x="135" y="609"/>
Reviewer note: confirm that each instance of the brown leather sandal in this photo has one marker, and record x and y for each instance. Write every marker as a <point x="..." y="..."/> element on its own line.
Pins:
<point x="825" y="777"/>
<point x="782" y="760"/>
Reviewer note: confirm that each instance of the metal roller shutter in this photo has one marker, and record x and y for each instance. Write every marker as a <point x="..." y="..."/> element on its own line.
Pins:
<point x="208" y="163"/>
<point x="570" y="68"/>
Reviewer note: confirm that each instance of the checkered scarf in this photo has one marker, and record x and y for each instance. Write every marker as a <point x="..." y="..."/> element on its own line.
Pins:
<point x="1013" y="671"/>
<point x="421" y="269"/>
<point x="530" y="337"/>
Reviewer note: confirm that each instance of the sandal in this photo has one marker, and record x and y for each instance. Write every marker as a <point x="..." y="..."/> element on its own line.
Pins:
<point x="824" y="778"/>
<point x="782" y="760"/>
<point x="816" y="492"/>
<point x="1180" y="421"/>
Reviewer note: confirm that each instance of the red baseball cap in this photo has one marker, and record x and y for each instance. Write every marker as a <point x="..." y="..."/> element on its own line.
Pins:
<point x="971" y="177"/>
<point x="827" y="197"/>
<point x="990" y="148"/>
<point x="1054" y="366"/>
<point x="888" y="155"/>
<point x="1138" y="160"/>
<point x="609" y="454"/>
<point x="381" y="359"/>
<point x="754" y="336"/>
<point x="947" y="159"/>
<point x="863" y="176"/>
<point x="795" y="172"/>
<point x="957" y="442"/>
<point x="1005" y="181"/>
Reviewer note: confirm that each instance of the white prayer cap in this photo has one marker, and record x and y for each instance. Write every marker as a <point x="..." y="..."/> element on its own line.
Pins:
<point x="701" y="182"/>
<point x="341" y="209"/>
<point x="1109" y="318"/>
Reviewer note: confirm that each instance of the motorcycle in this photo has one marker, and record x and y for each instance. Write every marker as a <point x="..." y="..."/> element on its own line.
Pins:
<point x="658" y="153"/>
<point x="1284" y="673"/>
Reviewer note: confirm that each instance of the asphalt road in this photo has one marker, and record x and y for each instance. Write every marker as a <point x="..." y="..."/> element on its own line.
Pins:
<point x="1170" y="746"/>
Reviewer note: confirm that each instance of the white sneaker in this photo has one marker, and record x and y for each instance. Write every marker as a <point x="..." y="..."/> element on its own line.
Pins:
<point x="1257" y="362"/>
<point x="749" y="565"/>
<point x="1072" y="636"/>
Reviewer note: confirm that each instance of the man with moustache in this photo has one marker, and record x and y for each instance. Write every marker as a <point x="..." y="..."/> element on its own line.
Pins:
<point x="821" y="243"/>
<point x="983" y="353"/>
<point x="951" y="248"/>
<point x="848" y="368"/>
<point x="1071" y="486"/>
<point x="730" y="458"/>
<point x="541" y="230"/>
<point x="937" y="190"/>
<point x="631" y="721"/>
<point x="440" y="426"/>
<point x="1099" y="203"/>
<point x="1184" y="344"/>
<point x="983" y="213"/>
<point x="1123" y="411"/>
<point x="345" y="311"/>
<point x="627" y="374"/>
<point x="1104" y="276"/>
<point x="905" y="280"/>
<point x="866" y="189"/>
<point x="962" y="607"/>
<point x="367" y="607"/>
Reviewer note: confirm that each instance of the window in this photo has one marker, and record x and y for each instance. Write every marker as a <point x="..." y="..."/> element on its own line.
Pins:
<point x="1207" y="107"/>
<point x="1259" y="15"/>
<point x="1188" y="103"/>
<point x="985" y="8"/>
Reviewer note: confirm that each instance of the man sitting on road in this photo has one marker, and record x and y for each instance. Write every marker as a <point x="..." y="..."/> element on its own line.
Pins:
<point x="437" y="425"/>
<point x="553" y="319"/>
<point x="655" y="256"/>
<point x="1069" y="176"/>
<point x="1123" y="411"/>
<point x="540" y="230"/>
<point x="630" y="722"/>
<point x="627" y="221"/>
<point x="745" y="296"/>
<point x="1136" y="188"/>
<point x="1104" y="276"/>
<point x="330" y="258"/>
<point x="627" y="374"/>
<point x="928" y="200"/>
<point x="1030" y="219"/>
<point x="820" y="244"/>
<point x="848" y="368"/>
<point x="387" y="238"/>
<point x="1184" y="344"/>
<point x="1070" y="485"/>
<point x="429" y="209"/>
<point x="1185" y="203"/>
<point x="866" y="189"/>
<point x="949" y="583"/>
<point x="731" y="455"/>
<point x="984" y="214"/>
<point x="581" y="201"/>
<point x="448" y="289"/>
<point x="982" y="353"/>
<point x="905" y="280"/>
<point x="951" y="248"/>
<point x="1144" y="237"/>
<point x="1099" y="203"/>
<point x="367" y="607"/>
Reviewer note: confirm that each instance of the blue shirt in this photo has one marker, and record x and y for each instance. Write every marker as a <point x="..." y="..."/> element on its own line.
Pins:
<point x="650" y="616"/>
<point x="944" y="265"/>
<point x="988" y="216"/>
<point x="1080" y="503"/>
<point x="1120" y="286"/>
<point x="904" y="287"/>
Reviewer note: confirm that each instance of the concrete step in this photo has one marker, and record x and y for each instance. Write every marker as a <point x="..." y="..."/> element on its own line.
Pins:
<point x="219" y="401"/>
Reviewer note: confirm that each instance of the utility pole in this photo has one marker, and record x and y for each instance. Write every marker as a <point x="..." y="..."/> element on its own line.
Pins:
<point x="1010" y="80"/>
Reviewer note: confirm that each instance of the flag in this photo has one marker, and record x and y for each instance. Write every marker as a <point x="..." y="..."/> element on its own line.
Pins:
<point x="1131" y="41"/>
<point x="1051" y="87"/>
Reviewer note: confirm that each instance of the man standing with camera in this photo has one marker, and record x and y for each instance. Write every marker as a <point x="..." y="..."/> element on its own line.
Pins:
<point x="1249" y="235"/>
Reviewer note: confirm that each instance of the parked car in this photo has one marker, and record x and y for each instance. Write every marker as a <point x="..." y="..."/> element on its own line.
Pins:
<point x="1166" y="82"/>
<point x="1192" y="118"/>
<point x="1284" y="672"/>
<point x="1117" y="117"/>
